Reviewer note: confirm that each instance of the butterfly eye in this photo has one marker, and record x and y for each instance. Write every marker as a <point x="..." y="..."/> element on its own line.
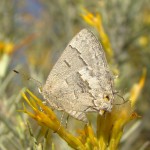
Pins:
<point x="106" y="97"/>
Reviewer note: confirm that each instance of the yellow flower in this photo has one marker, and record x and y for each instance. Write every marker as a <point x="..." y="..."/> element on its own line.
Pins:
<point x="136" y="89"/>
<point x="88" y="138"/>
<point x="143" y="41"/>
<point x="96" y="22"/>
<point x="9" y="47"/>
<point x="6" y="47"/>
<point x="46" y="117"/>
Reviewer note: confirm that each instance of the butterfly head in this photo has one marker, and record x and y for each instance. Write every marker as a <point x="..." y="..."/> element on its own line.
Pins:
<point x="106" y="105"/>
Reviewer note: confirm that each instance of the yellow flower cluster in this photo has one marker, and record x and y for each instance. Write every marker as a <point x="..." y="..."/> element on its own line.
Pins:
<point x="46" y="117"/>
<point x="109" y="126"/>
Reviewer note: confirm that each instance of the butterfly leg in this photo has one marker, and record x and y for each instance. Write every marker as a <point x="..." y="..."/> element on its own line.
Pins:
<point x="62" y="116"/>
<point x="67" y="121"/>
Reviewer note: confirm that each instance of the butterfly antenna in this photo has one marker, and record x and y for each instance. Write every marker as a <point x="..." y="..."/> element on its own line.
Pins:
<point x="28" y="77"/>
<point x="124" y="101"/>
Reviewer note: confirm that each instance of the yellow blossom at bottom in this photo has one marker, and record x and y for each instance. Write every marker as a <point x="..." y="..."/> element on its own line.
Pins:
<point x="110" y="125"/>
<point x="45" y="116"/>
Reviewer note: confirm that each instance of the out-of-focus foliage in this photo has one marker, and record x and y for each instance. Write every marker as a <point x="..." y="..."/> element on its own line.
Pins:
<point x="32" y="35"/>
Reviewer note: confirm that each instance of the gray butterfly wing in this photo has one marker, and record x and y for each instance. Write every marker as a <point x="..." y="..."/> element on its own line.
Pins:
<point x="80" y="77"/>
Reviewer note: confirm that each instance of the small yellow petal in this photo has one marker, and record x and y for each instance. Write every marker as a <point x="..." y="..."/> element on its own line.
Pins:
<point x="9" y="47"/>
<point x="137" y="88"/>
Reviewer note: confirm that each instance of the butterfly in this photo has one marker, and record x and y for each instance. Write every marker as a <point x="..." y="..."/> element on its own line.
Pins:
<point x="81" y="80"/>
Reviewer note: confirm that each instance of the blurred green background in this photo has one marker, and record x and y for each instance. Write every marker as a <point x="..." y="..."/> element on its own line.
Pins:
<point x="33" y="33"/>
